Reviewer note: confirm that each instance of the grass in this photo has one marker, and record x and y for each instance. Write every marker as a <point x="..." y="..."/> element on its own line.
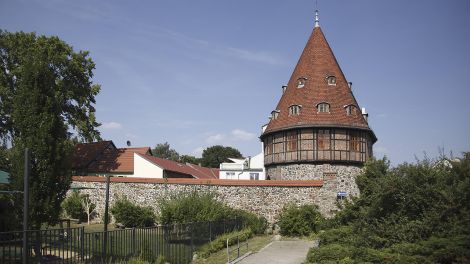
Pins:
<point x="254" y="244"/>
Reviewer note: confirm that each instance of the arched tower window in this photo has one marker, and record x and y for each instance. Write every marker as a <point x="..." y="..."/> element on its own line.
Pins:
<point x="351" y="110"/>
<point x="323" y="107"/>
<point x="294" y="110"/>
<point x="274" y="114"/>
<point x="331" y="80"/>
<point x="301" y="82"/>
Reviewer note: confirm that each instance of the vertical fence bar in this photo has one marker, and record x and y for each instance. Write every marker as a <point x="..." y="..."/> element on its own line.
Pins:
<point x="82" y="242"/>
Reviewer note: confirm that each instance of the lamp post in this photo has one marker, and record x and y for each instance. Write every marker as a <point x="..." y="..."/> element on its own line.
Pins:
<point x="106" y="220"/>
<point x="25" y="205"/>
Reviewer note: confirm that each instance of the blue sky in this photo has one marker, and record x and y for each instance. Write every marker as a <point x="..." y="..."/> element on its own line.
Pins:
<point x="200" y="73"/>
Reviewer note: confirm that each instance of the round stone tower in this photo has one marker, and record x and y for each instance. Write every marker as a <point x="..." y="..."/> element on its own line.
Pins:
<point x="317" y="131"/>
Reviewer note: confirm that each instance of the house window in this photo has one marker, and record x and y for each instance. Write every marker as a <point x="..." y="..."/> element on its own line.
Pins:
<point x="355" y="142"/>
<point x="254" y="176"/>
<point x="323" y="139"/>
<point x="323" y="108"/>
<point x="351" y="110"/>
<point x="294" y="110"/>
<point x="331" y="80"/>
<point x="292" y="141"/>
<point x="274" y="114"/>
<point x="230" y="175"/>
<point x="301" y="82"/>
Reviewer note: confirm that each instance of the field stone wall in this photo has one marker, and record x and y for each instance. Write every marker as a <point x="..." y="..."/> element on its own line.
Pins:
<point x="267" y="201"/>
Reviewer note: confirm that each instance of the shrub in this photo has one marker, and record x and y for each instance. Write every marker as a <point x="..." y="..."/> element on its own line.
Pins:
<point x="160" y="260"/>
<point x="335" y="252"/>
<point x="221" y="242"/>
<point x="257" y="224"/>
<point x="186" y="207"/>
<point x="299" y="221"/>
<point x="132" y="215"/>
<point x="74" y="205"/>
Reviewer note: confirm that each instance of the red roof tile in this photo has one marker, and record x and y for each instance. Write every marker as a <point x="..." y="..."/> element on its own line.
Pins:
<point x="188" y="169"/>
<point x="117" y="160"/>
<point x="271" y="183"/>
<point x="84" y="153"/>
<point x="315" y="64"/>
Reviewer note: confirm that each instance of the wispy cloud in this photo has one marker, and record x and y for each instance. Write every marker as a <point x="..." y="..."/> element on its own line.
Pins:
<point x="255" y="56"/>
<point x="236" y="135"/>
<point x="216" y="139"/>
<point x="197" y="152"/>
<point x="192" y="43"/>
<point x="111" y="125"/>
<point x="242" y="135"/>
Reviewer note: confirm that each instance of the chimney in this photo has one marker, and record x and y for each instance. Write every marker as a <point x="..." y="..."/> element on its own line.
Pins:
<point x="350" y="85"/>
<point x="249" y="162"/>
<point x="365" y="114"/>
<point x="284" y="87"/>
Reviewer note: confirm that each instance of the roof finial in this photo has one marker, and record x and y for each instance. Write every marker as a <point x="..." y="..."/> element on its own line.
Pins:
<point x="317" y="24"/>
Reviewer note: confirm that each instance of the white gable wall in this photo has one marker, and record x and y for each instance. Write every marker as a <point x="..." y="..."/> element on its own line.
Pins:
<point x="238" y="171"/>
<point x="146" y="169"/>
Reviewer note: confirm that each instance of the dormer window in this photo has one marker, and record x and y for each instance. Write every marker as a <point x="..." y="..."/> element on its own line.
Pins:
<point x="294" y="110"/>
<point x="274" y="114"/>
<point x="301" y="82"/>
<point x="351" y="110"/>
<point x="331" y="80"/>
<point x="323" y="107"/>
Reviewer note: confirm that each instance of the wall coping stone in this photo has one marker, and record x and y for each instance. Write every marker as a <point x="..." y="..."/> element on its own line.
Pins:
<point x="185" y="181"/>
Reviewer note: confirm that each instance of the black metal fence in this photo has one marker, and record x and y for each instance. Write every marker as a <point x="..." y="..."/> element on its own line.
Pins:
<point x="176" y="243"/>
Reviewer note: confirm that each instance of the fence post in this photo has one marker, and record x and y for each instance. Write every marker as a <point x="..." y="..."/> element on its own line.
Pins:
<point x="111" y="238"/>
<point x="82" y="242"/>
<point x="238" y="247"/>
<point x="134" y="242"/>
<point x="228" y="252"/>
<point x="192" y="239"/>
<point x="25" y="252"/>
<point x="210" y="231"/>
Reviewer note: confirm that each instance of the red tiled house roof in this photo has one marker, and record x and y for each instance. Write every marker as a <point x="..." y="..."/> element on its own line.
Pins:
<point x="191" y="170"/>
<point x="316" y="63"/>
<point x="117" y="160"/>
<point x="85" y="153"/>
<point x="103" y="156"/>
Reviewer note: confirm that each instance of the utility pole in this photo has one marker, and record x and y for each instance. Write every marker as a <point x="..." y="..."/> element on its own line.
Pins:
<point x="25" y="206"/>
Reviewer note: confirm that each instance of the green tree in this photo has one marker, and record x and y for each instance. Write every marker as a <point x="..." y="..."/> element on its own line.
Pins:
<point x="165" y="152"/>
<point x="189" y="159"/>
<point x="213" y="156"/>
<point x="78" y="206"/>
<point x="47" y="96"/>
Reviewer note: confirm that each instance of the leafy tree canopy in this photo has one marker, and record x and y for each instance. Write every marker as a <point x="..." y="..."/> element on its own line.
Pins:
<point x="189" y="159"/>
<point x="165" y="152"/>
<point x="213" y="156"/>
<point x="46" y="92"/>
<point x="414" y="213"/>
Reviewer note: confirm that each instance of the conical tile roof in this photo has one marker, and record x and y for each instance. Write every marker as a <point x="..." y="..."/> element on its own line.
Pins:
<point x="316" y="64"/>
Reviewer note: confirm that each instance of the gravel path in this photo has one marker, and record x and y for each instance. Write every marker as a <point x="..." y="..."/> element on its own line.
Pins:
<point x="281" y="252"/>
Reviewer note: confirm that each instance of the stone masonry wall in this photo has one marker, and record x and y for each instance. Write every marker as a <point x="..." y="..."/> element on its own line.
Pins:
<point x="341" y="177"/>
<point x="265" y="200"/>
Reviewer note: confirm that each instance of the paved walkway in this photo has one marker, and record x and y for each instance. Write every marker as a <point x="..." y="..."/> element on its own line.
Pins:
<point x="281" y="252"/>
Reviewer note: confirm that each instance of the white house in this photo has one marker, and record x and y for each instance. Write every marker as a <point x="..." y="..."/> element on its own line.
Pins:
<point x="251" y="168"/>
